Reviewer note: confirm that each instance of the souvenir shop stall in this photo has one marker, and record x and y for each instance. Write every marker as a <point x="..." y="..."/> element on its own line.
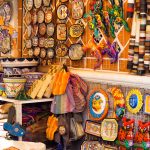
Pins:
<point x="75" y="75"/>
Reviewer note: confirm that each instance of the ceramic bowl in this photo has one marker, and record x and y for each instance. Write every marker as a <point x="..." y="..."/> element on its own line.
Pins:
<point x="13" y="86"/>
<point x="31" y="77"/>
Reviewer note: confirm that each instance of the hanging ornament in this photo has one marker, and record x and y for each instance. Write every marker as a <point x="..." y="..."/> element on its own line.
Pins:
<point x="97" y="104"/>
<point x="119" y="102"/>
<point x="134" y="101"/>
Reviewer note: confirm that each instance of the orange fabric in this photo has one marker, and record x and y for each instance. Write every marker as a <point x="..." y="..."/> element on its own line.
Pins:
<point x="60" y="82"/>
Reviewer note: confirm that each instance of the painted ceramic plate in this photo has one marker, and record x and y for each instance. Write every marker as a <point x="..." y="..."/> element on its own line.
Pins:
<point x="49" y="43"/>
<point x="61" y="50"/>
<point x="77" y="9"/>
<point x="29" y="4"/>
<point x="91" y="145"/>
<point x="40" y="15"/>
<point x="46" y="2"/>
<point x="109" y="129"/>
<point x="28" y="43"/>
<point x="28" y="18"/>
<point x="61" y="32"/>
<point x="34" y="16"/>
<point x="62" y="12"/>
<point x="43" y="53"/>
<point x="37" y="3"/>
<point x="97" y="104"/>
<point x="41" y="42"/>
<point x="93" y="128"/>
<point x="35" y="41"/>
<point x="48" y="15"/>
<point x="30" y="52"/>
<point x="76" y="52"/>
<point x="42" y="29"/>
<point x="35" y="29"/>
<point x="50" y="53"/>
<point x="76" y="30"/>
<point x="134" y="101"/>
<point x="36" y="51"/>
<point x="50" y="29"/>
<point x="147" y="104"/>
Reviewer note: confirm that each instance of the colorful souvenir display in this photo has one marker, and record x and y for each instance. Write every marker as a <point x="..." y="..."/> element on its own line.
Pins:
<point x="134" y="101"/>
<point x="77" y="9"/>
<point x="91" y="145"/>
<point x="119" y="102"/>
<point x="76" y="52"/>
<point x="93" y="128"/>
<point x="126" y="133"/>
<point x="101" y="18"/>
<point x="142" y="137"/>
<point x="97" y="104"/>
<point x="147" y="104"/>
<point x="109" y="129"/>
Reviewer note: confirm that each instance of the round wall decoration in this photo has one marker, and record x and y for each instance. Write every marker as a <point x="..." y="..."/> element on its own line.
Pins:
<point x="40" y="16"/>
<point x="134" y="101"/>
<point x="48" y="15"/>
<point x="37" y="3"/>
<point x="97" y="104"/>
<point x="50" y="29"/>
<point x="46" y="2"/>
<point x="28" y="18"/>
<point x="42" y="28"/>
<point x="62" y="12"/>
<point x="61" y="50"/>
<point x="34" y="16"/>
<point x="109" y="129"/>
<point x="50" y="53"/>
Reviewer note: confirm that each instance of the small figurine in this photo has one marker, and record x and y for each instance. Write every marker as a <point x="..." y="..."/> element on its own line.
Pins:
<point x="142" y="137"/>
<point x="125" y="135"/>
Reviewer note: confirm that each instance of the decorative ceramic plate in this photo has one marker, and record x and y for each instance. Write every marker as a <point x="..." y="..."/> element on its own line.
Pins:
<point x="30" y="52"/>
<point x="29" y="31"/>
<point x="62" y="12"/>
<point x="29" y="4"/>
<point x="97" y="104"/>
<point x="42" y="29"/>
<point x="36" y="51"/>
<point x="28" y="18"/>
<point x="77" y="9"/>
<point x="34" y="16"/>
<point x="50" y="29"/>
<point x="91" y="145"/>
<point x="147" y="104"/>
<point x="46" y="2"/>
<point x="37" y="3"/>
<point x="40" y="15"/>
<point x="35" y="29"/>
<point x="49" y="43"/>
<point x="134" y="101"/>
<point x="48" y="15"/>
<point x="61" y="50"/>
<point x="43" y="53"/>
<point x="109" y="129"/>
<point x="28" y="43"/>
<point x="93" y="128"/>
<point x="50" y="53"/>
<point x="41" y="42"/>
<point x="35" y="41"/>
<point x="61" y="32"/>
<point x="76" y="52"/>
<point x="76" y="30"/>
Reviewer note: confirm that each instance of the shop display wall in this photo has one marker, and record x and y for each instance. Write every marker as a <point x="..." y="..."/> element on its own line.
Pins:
<point x="88" y="62"/>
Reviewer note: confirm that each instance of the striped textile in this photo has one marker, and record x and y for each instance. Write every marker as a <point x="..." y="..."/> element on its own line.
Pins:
<point x="147" y="41"/>
<point x="143" y="11"/>
<point x="130" y="9"/>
